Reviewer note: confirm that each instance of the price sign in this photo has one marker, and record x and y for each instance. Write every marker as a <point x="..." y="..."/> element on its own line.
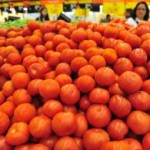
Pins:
<point x="70" y="1"/>
<point x="114" y="8"/>
<point x="54" y="8"/>
<point x="45" y="2"/>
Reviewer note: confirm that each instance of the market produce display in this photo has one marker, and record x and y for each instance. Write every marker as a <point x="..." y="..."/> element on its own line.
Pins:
<point x="75" y="87"/>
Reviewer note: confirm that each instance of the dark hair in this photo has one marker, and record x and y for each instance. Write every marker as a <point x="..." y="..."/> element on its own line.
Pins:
<point x="146" y="17"/>
<point x="41" y="15"/>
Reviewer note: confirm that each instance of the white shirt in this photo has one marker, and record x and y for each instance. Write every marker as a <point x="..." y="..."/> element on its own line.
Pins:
<point x="133" y="22"/>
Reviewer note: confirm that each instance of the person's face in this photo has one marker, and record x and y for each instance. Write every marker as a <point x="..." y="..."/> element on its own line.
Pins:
<point x="44" y="12"/>
<point x="141" y="11"/>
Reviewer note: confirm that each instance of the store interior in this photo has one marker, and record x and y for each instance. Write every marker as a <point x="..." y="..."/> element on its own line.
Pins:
<point x="86" y="10"/>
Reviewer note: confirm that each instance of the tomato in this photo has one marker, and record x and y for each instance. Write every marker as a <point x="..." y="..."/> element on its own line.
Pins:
<point x="36" y="70"/>
<point x="69" y="94"/>
<point x="52" y="107"/>
<point x="140" y="100"/>
<point x="3" y="144"/>
<point x="65" y="143"/>
<point x="98" y="115"/>
<point x="93" y="138"/>
<point x="33" y="86"/>
<point x="115" y="145"/>
<point x="50" y="141"/>
<point x="64" y="123"/>
<point x="85" y="83"/>
<point x="134" y="144"/>
<point x="38" y="147"/>
<point x="82" y="125"/>
<point x="123" y="64"/>
<point x="117" y="129"/>
<point x="52" y="89"/>
<point x="4" y="122"/>
<point x="120" y="106"/>
<point x="136" y="119"/>
<point x="40" y="127"/>
<point x="146" y="141"/>
<point x="130" y="81"/>
<point x="99" y="96"/>
<point x="24" y="112"/>
<point x="20" y="77"/>
<point x="18" y="134"/>
<point x="105" y="76"/>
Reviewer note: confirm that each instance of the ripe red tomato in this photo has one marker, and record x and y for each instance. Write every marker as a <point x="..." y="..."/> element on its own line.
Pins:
<point x="93" y="138"/>
<point x="115" y="145"/>
<point x="4" y="122"/>
<point x="18" y="134"/>
<point x="69" y="94"/>
<point x="82" y="125"/>
<point x="117" y="129"/>
<point x="3" y="144"/>
<point x="64" y="123"/>
<point x="52" y="107"/>
<point x="65" y="143"/>
<point x="119" y="106"/>
<point x="98" y="115"/>
<point x="146" y="141"/>
<point x="40" y="127"/>
<point x="137" y="119"/>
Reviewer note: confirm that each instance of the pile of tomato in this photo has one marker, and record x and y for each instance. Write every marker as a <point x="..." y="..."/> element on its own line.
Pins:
<point x="75" y="87"/>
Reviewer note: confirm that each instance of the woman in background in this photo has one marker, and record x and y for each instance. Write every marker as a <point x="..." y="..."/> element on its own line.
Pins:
<point x="43" y="15"/>
<point x="140" y="13"/>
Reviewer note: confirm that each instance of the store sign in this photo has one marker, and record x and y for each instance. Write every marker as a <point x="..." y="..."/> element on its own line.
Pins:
<point x="54" y="9"/>
<point x="80" y="12"/>
<point x="45" y="2"/>
<point x="97" y="1"/>
<point x="114" y="8"/>
<point x="70" y="1"/>
<point x="84" y="1"/>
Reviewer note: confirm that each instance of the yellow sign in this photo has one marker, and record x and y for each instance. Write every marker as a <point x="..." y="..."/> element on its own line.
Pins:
<point x="84" y="1"/>
<point x="114" y="8"/>
<point x="18" y="4"/>
<point x="70" y="1"/>
<point x="54" y="8"/>
<point x="79" y="12"/>
<point x="35" y="3"/>
<point x="130" y="4"/>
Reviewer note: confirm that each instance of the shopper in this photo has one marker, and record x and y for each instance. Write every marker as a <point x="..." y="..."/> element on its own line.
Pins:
<point x="128" y="13"/>
<point x="43" y="15"/>
<point x="140" y="13"/>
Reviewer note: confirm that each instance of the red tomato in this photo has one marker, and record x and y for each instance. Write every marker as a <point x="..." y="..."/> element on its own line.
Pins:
<point x="64" y="123"/>
<point x="3" y="144"/>
<point x="49" y="142"/>
<point x="52" y="107"/>
<point x="65" y="143"/>
<point x="99" y="95"/>
<point x="18" y="134"/>
<point x="4" y="122"/>
<point x="82" y="125"/>
<point x="52" y="89"/>
<point x="134" y="144"/>
<point x="93" y="138"/>
<point x="119" y="106"/>
<point x="140" y="100"/>
<point x="137" y="119"/>
<point x="115" y="145"/>
<point x="40" y="127"/>
<point x="98" y="115"/>
<point x="24" y="112"/>
<point x="146" y="141"/>
<point x="69" y="94"/>
<point x="117" y="129"/>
